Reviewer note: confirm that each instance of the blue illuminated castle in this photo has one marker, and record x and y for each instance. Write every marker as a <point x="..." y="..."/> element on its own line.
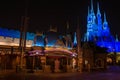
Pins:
<point x="98" y="30"/>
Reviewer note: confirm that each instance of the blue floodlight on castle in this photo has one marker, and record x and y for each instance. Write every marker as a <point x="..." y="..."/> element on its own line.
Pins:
<point x="98" y="30"/>
<point x="75" y="39"/>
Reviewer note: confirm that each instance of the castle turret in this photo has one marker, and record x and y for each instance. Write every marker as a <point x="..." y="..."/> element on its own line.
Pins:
<point x="92" y="13"/>
<point x="91" y="24"/>
<point x="75" y="39"/>
<point x="106" y="31"/>
<point x="116" y="38"/>
<point x="98" y="31"/>
<point x="99" y="21"/>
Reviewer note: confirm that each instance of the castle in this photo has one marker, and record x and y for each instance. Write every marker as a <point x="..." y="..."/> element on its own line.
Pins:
<point x="60" y="47"/>
<point x="98" y="30"/>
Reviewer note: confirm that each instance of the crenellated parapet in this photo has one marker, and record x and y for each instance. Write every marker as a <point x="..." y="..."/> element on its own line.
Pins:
<point x="14" y="33"/>
<point x="12" y="37"/>
<point x="13" y="41"/>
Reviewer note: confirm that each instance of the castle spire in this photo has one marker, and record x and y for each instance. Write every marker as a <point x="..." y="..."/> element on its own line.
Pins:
<point x="92" y="12"/>
<point x="99" y="20"/>
<point x="92" y="6"/>
<point x="105" y="26"/>
<point x="75" y="39"/>
<point x="105" y="20"/>
<point x="116" y="38"/>
<point x="98" y="9"/>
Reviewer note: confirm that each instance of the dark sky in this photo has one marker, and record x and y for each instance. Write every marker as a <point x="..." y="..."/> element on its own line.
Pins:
<point x="43" y="13"/>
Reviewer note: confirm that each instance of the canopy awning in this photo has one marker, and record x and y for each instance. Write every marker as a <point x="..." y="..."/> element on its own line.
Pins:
<point x="52" y="51"/>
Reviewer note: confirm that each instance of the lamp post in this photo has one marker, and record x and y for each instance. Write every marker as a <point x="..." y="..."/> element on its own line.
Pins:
<point x="79" y="52"/>
<point x="23" y="35"/>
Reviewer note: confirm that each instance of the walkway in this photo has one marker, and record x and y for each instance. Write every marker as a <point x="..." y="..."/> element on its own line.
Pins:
<point x="112" y="73"/>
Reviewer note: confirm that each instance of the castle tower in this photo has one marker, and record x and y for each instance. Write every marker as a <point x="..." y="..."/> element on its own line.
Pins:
<point x="75" y="39"/>
<point x="106" y="27"/>
<point x="98" y="30"/>
<point x="91" y="24"/>
<point x="99" y="21"/>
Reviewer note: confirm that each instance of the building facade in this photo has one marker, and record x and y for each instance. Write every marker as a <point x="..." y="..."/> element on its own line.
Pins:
<point x="47" y="51"/>
<point x="53" y="52"/>
<point x="98" y="31"/>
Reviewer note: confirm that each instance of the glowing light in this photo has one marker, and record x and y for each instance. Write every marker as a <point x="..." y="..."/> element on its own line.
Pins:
<point x="75" y="39"/>
<point x="48" y="51"/>
<point x="52" y="49"/>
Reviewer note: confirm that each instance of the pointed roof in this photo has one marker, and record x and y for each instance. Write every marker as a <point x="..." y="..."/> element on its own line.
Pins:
<point x="92" y="6"/>
<point x="75" y="38"/>
<point x="117" y="38"/>
<point x="98" y="9"/>
<point x="92" y="10"/>
<point x="105" y="20"/>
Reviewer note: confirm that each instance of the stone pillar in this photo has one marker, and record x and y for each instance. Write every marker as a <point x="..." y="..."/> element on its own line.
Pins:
<point x="57" y="65"/>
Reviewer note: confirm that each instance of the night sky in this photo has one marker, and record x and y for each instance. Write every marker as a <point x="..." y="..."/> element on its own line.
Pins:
<point x="43" y="13"/>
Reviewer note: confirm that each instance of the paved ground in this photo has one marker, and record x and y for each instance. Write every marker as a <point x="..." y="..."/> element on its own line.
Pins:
<point x="64" y="76"/>
<point x="112" y="74"/>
